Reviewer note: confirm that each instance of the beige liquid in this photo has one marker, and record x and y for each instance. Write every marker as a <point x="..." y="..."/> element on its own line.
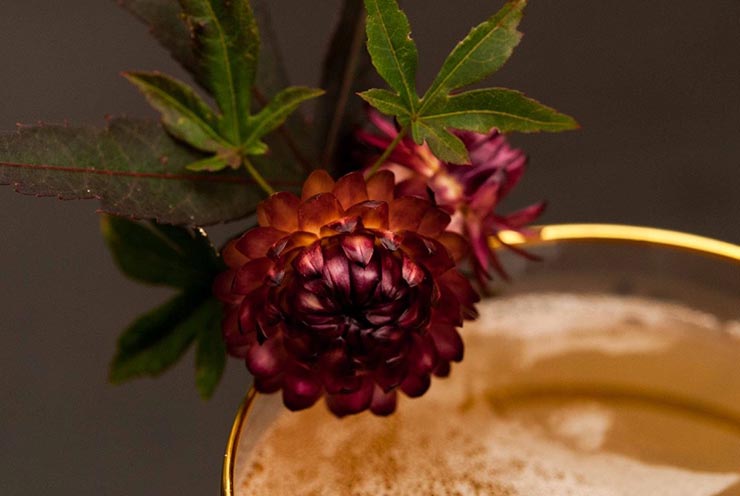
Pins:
<point x="558" y="395"/>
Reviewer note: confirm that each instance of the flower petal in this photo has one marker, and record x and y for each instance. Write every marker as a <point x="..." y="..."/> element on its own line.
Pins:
<point x="390" y="375"/>
<point x="279" y="211"/>
<point x="358" y="248"/>
<point x="268" y="385"/>
<point x="390" y="286"/>
<point x="380" y="186"/>
<point x="427" y="252"/>
<point x="374" y="214"/>
<point x="411" y="272"/>
<point x="422" y="357"/>
<point x="248" y="316"/>
<point x="433" y="223"/>
<point x="297" y="239"/>
<point x="443" y="369"/>
<point x="416" y="385"/>
<point x="351" y="190"/>
<point x="237" y="343"/>
<point x="415" y="185"/>
<point x="266" y="359"/>
<point x="318" y="182"/>
<point x="365" y="279"/>
<point x="464" y="292"/>
<point x="310" y="262"/>
<point x="318" y="211"/>
<point x="251" y="275"/>
<point x="482" y="253"/>
<point x="256" y="242"/>
<point x="336" y="371"/>
<point x="486" y="198"/>
<point x="448" y="342"/>
<point x="456" y="245"/>
<point x="232" y="257"/>
<point x="300" y="390"/>
<point x="222" y="288"/>
<point x="336" y="273"/>
<point x="383" y="124"/>
<point x="383" y="404"/>
<point x="523" y="217"/>
<point x="350" y="403"/>
<point x="405" y="213"/>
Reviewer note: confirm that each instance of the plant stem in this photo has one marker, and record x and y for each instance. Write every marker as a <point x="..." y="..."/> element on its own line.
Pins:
<point x="387" y="153"/>
<point x="349" y="73"/>
<point x="258" y="177"/>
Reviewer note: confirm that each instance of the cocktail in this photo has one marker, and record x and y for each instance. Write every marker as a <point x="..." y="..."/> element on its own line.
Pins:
<point x="610" y="367"/>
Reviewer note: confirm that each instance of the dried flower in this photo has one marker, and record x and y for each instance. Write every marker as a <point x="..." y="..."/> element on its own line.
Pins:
<point x="469" y="193"/>
<point x="347" y="292"/>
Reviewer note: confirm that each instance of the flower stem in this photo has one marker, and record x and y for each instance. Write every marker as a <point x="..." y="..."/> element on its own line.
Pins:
<point x="258" y="177"/>
<point x="387" y="153"/>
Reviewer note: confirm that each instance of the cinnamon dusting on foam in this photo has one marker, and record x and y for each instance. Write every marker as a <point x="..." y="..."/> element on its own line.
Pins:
<point x="457" y="440"/>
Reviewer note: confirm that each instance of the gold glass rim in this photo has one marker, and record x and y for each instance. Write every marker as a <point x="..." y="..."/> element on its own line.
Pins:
<point x="539" y="235"/>
<point x="536" y="235"/>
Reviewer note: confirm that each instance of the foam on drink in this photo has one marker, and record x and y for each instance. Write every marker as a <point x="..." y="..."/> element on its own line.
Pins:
<point x="558" y="395"/>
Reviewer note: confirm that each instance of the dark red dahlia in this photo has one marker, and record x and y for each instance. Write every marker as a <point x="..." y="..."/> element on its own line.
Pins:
<point x="469" y="193"/>
<point x="348" y="293"/>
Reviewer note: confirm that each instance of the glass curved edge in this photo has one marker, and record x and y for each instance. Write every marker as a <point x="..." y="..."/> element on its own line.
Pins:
<point x="539" y="235"/>
<point x="227" y="472"/>
<point x="536" y="235"/>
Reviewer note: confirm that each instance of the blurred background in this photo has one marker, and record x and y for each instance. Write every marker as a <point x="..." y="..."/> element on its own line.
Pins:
<point x="655" y="85"/>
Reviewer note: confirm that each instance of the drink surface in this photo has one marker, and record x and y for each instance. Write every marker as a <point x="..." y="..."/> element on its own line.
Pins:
<point x="558" y="395"/>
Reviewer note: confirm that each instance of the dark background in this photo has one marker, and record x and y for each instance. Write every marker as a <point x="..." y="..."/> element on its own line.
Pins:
<point x="655" y="85"/>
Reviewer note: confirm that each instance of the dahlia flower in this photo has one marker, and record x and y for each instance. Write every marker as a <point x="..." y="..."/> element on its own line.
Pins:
<point x="347" y="292"/>
<point x="469" y="193"/>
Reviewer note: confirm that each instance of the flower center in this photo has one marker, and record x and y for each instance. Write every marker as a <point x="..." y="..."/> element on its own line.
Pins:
<point x="352" y="291"/>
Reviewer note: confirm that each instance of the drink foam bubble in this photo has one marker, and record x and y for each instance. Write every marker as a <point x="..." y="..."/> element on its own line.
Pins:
<point x="475" y="433"/>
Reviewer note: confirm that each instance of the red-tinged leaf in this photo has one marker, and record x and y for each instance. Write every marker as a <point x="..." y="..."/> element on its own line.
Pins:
<point x="134" y="167"/>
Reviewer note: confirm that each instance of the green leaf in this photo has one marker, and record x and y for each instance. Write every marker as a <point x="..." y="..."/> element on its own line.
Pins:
<point x="134" y="168"/>
<point x="507" y="110"/>
<point x="445" y="146"/>
<point x="386" y="102"/>
<point x="184" y="113"/>
<point x="226" y="50"/>
<point x="210" y="164"/>
<point x="227" y="41"/>
<point x="294" y="150"/>
<point x="274" y="114"/>
<point x="157" y="339"/>
<point x="391" y="48"/>
<point x="165" y="21"/>
<point x="483" y="51"/>
<point x="210" y="353"/>
<point x="159" y="254"/>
